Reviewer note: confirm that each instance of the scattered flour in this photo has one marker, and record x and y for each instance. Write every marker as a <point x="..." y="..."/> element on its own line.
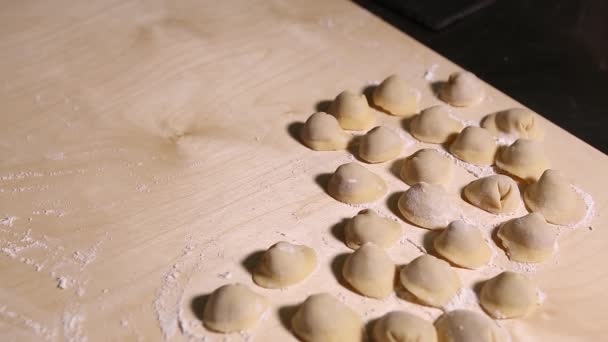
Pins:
<point x="8" y="221"/>
<point x="464" y="299"/>
<point x="73" y="320"/>
<point x="429" y="74"/>
<point x="477" y="171"/>
<point x="27" y="323"/>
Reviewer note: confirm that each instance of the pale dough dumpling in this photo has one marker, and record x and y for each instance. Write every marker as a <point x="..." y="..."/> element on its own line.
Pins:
<point x="395" y="96"/>
<point x="528" y="239"/>
<point x="428" y="206"/>
<point x="435" y="125"/>
<point x="508" y="295"/>
<point x="431" y="280"/>
<point x="429" y="166"/>
<point x="323" y="318"/>
<point x="354" y="184"/>
<point x="352" y="111"/>
<point x="379" y="145"/>
<point x="467" y="326"/>
<point x="233" y="307"/>
<point x="524" y="158"/>
<point x="497" y="194"/>
<point x="474" y="145"/>
<point x="517" y="122"/>
<point x="370" y="271"/>
<point x="368" y="226"/>
<point x="399" y="326"/>
<point x="321" y="132"/>
<point x="555" y="198"/>
<point x="463" y="245"/>
<point x="463" y="89"/>
<point x="284" y="264"/>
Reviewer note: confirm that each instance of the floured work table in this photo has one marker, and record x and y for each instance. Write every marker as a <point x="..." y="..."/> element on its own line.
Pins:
<point x="149" y="151"/>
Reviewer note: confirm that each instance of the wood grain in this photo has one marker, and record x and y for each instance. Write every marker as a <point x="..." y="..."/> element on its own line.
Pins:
<point x="148" y="152"/>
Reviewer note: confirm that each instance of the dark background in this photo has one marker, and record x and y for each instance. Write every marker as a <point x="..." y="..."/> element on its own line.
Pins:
<point x="550" y="55"/>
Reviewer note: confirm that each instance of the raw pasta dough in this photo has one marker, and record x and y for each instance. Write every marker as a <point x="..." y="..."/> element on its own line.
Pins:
<point x="528" y="239"/>
<point x="463" y="245"/>
<point x="399" y="326"/>
<point x="396" y="97"/>
<point x="321" y="132"/>
<point x="467" y="326"/>
<point x="368" y="226"/>
<point x="352" y="111"/>
<point x="555" y="199"/>
<point x="463" y="89"/>
<point x="429" y="166"/>
<point x="428" y="206"/>
<point x="370" y="271"/>
<point x="474" y="145"/>
<point x="233" y="307"/>
<point x="508" y="295"/>
<point x="284" y="264"/>
<point x="380" y="144"/>
<point x="431" y="280"/>
<point x="354" y="184"/>
<point x="497" y="194"/>
<point x="323" y="318"/>
<point x="517" y="122"/>
<point x="435" y="125"/>
<point x="524" y="159"/>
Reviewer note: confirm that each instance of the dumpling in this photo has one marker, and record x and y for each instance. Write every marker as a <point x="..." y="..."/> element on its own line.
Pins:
<point x="399" y="326"/>
<point x="233" y="307"/>
<point x="370" y="271"/>
<point x="528" y="239"/>
<point x="284" y="264"/>
<point x="323" y="318"/>
<point x="555" y="198"/>
<point x="463" y="245"/>
<point x="396" y="97"/>
<point x="368" y="226"/>
<point x="322" y="132"/>
<point x="463" y="89"/>
<point x="435" y="125"/>
<point x="431" y="280"/>
<point x="524" y="159"/>
<point x="352" y="111"/>
<point x="497" y="194"/>
<point x="380" y="144"/>
<point x="508" y="295"/>
<point x="467" y="326"/>
<point x="428" y="206"/>
<point x="474" y="145"/>
<point x="517" y="122"/>
<point x="429" y="166"/>
<point x="354" y="184"/>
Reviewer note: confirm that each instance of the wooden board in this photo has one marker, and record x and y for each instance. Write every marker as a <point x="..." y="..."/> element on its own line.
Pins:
<point x="147" y="152"/>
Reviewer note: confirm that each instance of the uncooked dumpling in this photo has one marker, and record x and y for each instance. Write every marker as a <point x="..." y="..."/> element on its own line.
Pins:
<point x="395" y="96"/>
<point x="524" y="158"/>
<point x="379" y="145"/>
<point x="368" y="226"/>
<point x="322" y="132"/>
<point x="463" y="245"/>
<point x="497" y="194"/>
<point x="528" y="239"/>
<point x="323" y="318"/>
<point x="517" y="122"/>
<point x="467" y="326"/>
<point x="463" y="89"/>
<point x="555" y="198"/>
<point x="431" y="280"/>
<point x="508" y="295"/>
<point x="435" y="125"/>
<point x="284" y="264"/>
<point x="354" y="184"/>
<point x="233" y="307"/>
<point x="370" y="271"/>
<point x="474" y="145"/>
<point x="429" y="166"/>
<point x="399" y="326"/>
<point x="352" y="111"/>
<point x="428" y="206"/>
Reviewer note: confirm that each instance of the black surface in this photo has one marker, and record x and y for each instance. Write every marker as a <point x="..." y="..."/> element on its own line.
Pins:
<point x="551" y="55"/>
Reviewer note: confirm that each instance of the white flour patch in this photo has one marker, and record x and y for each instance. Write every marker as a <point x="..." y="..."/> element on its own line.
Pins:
<point x="475" y="170"/>
<point x="429" y="74"/>
<point x="73" y="320"/>
<point x="8" y="221"/>
<point x="27" y="323"/>
<point x="465" y="298"/>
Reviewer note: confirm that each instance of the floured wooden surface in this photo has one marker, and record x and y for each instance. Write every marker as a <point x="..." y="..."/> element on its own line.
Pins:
<point x="147" y="151"/>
